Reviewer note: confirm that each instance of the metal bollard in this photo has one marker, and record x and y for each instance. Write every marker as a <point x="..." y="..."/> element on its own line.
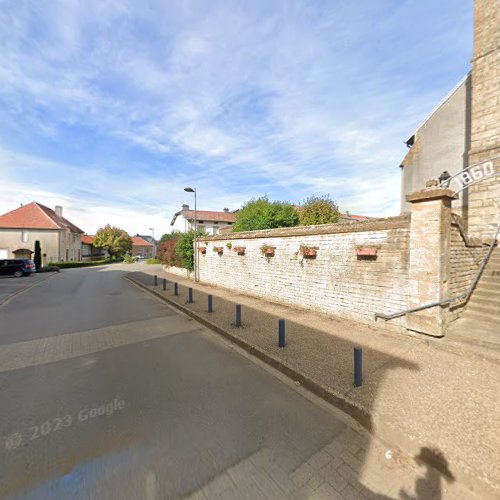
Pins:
<point x="164" y="284"/>
<point x="190" y="295"/>
<point x="210" y="308"/>
<point x="358" y="367"/>
<point x="238" y="315"/>
<point x="176" y="289"/>
<point x="281" y="333"/>
<point x="156" y="280"/>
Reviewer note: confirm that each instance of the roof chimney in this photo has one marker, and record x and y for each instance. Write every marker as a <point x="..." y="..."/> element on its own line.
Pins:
<point x="59" y="211"/>
<point x="185" y="207"/>
<point x="226" y="210"/>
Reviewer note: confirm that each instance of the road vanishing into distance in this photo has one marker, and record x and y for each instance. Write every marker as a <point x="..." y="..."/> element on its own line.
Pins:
<point x="106" y="392"/>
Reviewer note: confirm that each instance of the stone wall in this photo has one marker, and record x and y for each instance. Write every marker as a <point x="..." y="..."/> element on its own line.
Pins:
<point x="466" y="256"/>
<point x="483" y="198"/>
<point x="178" y="271"/>
<point x="336" y="281"/>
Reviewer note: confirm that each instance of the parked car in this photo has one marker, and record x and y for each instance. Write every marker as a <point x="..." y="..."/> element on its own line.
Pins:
<point x="17" y="267"/>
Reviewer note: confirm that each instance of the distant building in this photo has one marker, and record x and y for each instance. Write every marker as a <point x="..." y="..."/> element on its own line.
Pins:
<point x="141" y="247"/>
<point x="89" y="251"/>
<point x="60" y="240"/>
<point x="209" y="221"/>
<point x="348" y="217"/>
<point x="151" y="240"/>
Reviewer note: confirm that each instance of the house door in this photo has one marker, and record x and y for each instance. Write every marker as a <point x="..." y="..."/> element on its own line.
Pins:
<point x="23" y="253"/>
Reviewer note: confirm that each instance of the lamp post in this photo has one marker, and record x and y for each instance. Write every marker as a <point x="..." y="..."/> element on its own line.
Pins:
<point x="193" y="190"/>
<point x="444" y="179"/>
<point x="152" y="229"/>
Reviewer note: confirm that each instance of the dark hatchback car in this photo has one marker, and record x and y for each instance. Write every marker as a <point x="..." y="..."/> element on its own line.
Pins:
<point x="17" y="267"/>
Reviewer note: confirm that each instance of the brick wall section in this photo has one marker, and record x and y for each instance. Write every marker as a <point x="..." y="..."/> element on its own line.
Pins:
<point x="466" y="256"/>
<point x="336" y="282"/>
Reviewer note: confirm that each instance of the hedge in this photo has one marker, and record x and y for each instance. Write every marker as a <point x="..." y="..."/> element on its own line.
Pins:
<point x="90" y="263"/>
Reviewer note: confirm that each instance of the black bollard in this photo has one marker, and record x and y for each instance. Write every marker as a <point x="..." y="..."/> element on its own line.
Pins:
<point x="176" y="289"/>
<point x="164" y="284"/>
<point x="358" y="367"/>
<point x="210" y="308"/>
<point x="156" y="280"/>
<point x="190" y="295"/>
<point x="281" y="333"/>
<point x="238" y="315"/>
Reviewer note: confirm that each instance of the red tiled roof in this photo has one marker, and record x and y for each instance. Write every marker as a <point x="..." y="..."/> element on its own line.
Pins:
<point x="87" y="239"/>
<point x="209" y="215"/>
<point x="35" y="216"/>
<point x="355" y="217"/>
<point x="137" y="241"/>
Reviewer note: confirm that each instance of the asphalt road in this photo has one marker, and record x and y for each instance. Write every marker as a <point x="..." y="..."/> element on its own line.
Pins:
<point x="159" y="415"/>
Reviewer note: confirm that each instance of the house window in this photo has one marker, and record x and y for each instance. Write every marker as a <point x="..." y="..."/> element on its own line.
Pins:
<point x="24" y="236"/>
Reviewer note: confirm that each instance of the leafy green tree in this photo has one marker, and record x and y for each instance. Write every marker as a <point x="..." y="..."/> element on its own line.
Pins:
<point x="318" y="210"/>
<point x="113" y="239"/>
<point x="184" y="248"/>
<point x="261" y="213"/>
<point x="169" y="236"/>
<point x="38" y="256"/>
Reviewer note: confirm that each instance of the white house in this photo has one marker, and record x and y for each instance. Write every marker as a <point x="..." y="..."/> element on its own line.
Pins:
<point x="208" y="221"/>
<point x="60" y="240"/>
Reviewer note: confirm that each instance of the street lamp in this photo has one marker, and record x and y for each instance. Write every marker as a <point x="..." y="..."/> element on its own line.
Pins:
<point x="193" y="190"/>
<point x="152" y="229"/>
<point x="444" y="179"/>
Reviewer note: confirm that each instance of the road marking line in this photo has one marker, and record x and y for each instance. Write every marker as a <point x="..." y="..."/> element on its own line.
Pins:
<point x="13" y="295"/>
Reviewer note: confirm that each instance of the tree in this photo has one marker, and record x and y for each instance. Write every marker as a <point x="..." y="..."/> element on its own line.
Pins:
<point x="113" y="239"/>
<point x="38" y="256"/>
<point x="261" y="213"/>
<point x="169" y="236"/>
<point x="184" y="248"/>
<point x="318" y="210"/>
<point x="167" y="253"/>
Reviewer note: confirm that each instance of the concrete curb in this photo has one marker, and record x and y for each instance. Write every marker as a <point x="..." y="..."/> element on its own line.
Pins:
<point x="7" y="299"/>
<point x="369" y="420"/>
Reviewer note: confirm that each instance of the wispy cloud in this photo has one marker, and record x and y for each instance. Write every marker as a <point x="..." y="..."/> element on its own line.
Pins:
<point x="117" y="105"/>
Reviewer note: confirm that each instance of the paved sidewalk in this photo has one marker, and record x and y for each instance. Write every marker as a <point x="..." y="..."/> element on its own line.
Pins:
<point x="438" y="405"/>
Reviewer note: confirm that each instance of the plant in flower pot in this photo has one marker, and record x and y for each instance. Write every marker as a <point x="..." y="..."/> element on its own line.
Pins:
<point x="203" y="250"/>
<point x="239" y="250"/>
<point x="367" y="250"/>
<point x="267" y="250"/>
<point x="308" y="251"/>
<point x="219" y="250"/>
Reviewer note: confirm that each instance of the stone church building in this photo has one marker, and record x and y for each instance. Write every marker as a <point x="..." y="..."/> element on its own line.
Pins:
<point x="464" y="131"/>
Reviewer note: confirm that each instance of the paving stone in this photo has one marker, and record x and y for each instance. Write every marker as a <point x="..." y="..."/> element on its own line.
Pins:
<point x="319" y="460"/>
<point x="301" y="475"/>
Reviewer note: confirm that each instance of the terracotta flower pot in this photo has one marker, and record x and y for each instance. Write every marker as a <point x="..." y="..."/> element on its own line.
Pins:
<point x="203" y="250"/>
<point x="366" y="251"/>
<point x="309" y="252"/>
<point x="269" y="252"/>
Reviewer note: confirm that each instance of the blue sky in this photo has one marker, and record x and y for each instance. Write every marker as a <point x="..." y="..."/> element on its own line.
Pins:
<point x="111" y="107"/>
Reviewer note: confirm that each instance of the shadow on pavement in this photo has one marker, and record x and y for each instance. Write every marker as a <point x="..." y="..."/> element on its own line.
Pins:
<point x="323" y="363"/>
